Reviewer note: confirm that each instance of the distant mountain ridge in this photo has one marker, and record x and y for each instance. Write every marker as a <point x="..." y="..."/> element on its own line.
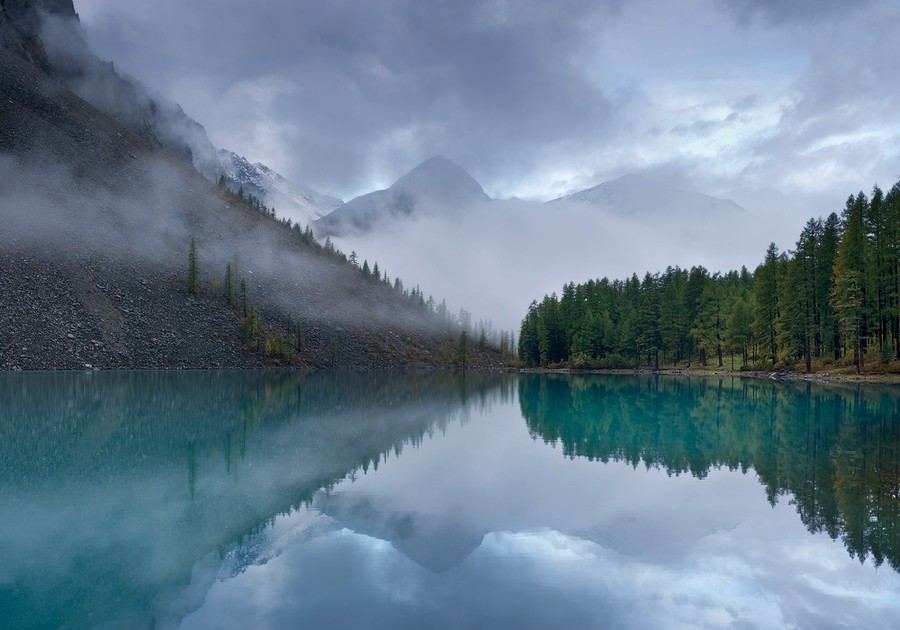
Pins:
<point x="437" y="184"/>
<point x="634" y="194"/>
<point x="301" y="204"/>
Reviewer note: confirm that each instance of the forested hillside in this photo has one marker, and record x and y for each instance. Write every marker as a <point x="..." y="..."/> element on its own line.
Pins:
<point x="834" y="299"/>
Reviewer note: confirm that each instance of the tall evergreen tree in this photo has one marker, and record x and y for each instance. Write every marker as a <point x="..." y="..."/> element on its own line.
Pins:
<point x="193" y="281"/>
<point x="243" y="297"/>
<point x="739" y="330"/>
<point x="766" y="294"/>
<point x="227" y="288"/>
<point x="828" y="336"/>
<point x="849" y="294"/>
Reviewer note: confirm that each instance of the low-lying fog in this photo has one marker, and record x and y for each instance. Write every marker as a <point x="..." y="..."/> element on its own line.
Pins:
<point x="494" y="260"/>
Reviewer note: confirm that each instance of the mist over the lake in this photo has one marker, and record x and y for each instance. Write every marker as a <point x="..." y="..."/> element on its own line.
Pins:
<point x="495" y="259"/>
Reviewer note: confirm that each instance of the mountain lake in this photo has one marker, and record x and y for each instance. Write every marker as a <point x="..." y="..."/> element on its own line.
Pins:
<point x="446" y="500"/>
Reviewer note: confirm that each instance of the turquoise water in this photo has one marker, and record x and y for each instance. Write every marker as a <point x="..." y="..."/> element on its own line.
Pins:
<point x="276" y="500"/>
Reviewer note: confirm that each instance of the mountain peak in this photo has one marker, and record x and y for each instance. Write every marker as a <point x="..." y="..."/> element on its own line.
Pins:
<point x="435" y="185"/>
<point x="300" y="203"/>
<point x="441" y="180"/>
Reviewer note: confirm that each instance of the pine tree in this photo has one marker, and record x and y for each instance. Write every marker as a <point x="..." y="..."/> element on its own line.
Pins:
<point x="673" y="314"/>
<point x="892" y="265"/>
<point x="767" y="307"/>
<point x="298" y="337"/>
<point x="709" y="327"/>
<point x="740" y="329"/>
<point x="193" y="270"/>
<point x="849" y="295"/>
<point x="227" y="288"/>
<point x="529" y="349"/>
<point x="799" y="307"/>
<point x="462" y="350"/>
<point x="828" y="335"/>
<point x="649" y="338"/>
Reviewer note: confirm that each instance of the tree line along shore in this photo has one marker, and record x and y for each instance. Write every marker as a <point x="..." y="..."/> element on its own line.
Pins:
<point x="832" y="304"/>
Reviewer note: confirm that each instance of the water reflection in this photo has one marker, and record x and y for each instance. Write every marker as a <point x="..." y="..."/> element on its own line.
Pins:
<point x="834" y="450"/>
<point x="244" y="499"/>
<point x="119" y="487"/>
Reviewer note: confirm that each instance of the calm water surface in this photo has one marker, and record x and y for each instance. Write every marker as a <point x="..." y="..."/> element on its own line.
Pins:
<point x="273" y="500"/>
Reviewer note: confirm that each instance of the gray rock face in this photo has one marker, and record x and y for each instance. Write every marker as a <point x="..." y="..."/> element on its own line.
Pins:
<point x="20" y="22"/>
<point x="47" y="33"/>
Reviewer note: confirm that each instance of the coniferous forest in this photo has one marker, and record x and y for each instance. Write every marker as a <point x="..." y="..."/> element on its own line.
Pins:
<point x="833" y="300"/>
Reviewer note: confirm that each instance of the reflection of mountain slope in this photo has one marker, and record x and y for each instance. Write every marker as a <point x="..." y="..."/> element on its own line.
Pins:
<point x="137" y="477"/>
<point x="437" y="542"/>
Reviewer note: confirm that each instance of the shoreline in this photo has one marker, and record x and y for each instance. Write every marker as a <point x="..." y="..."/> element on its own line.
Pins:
<point x="880" y="378"/>
<point x="825" y="377"/>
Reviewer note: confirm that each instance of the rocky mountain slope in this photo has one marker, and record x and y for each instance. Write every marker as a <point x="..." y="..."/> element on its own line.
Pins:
<point x="97" y="224"/>
<point x="435" y="186"/>
<point x="48" y="34"/>
<point x="299" y="203"/>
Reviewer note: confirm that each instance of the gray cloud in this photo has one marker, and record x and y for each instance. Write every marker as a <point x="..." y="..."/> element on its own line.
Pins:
<point x="840" y="127"/>
<point x="779" y="12"/>
<point x="383" y="80"/>
<point x="532" y="97"/>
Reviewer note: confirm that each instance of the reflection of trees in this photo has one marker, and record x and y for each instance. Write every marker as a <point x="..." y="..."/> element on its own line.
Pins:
<point x="834" y="449"/>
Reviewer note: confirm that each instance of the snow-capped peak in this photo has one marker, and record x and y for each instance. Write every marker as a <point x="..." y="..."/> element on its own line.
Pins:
<point x="300" y="203"/>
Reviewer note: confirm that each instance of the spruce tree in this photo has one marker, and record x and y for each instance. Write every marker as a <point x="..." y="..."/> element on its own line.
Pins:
<point x="767" y="306"/>
<point x="849" y="295"/>
<point x="228" y="289"/>
<point x="462" y="351"/>
<point x="193" y="270"/>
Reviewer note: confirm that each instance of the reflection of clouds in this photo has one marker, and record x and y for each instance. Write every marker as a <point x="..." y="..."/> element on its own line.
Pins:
<point x="570" y="543"/>
<point x="511" y="482"/>
<point x="539" y="579"/>
<point x="707" y="592"/>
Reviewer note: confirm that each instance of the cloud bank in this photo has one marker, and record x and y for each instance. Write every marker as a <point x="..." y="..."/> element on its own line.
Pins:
<point x="781" y="106"/>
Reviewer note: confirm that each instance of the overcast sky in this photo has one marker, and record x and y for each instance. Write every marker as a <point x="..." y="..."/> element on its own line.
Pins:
<point x="784" y="106"/>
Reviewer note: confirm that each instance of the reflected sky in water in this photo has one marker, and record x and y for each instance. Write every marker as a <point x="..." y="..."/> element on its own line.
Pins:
<point x="453" y="502"/>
